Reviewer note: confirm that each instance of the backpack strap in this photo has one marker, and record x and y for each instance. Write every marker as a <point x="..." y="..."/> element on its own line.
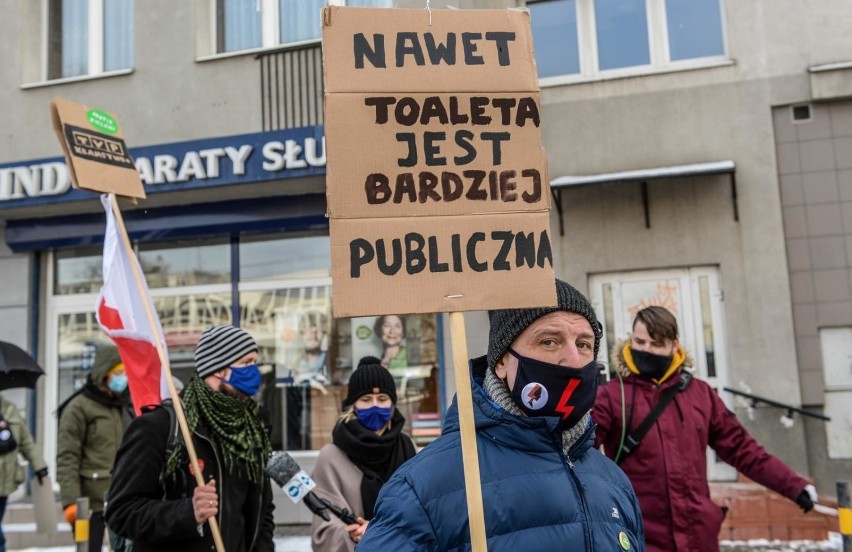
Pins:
<point x="174" y="439"/>
<point x="632" y="441"/>
<point x="174" y="429"/>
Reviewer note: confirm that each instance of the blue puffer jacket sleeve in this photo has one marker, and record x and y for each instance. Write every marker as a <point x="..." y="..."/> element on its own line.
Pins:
<point x="404" y="524"/>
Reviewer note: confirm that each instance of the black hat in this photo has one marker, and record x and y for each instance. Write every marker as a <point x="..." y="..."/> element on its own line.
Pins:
<point x="508" y="324"/>
<point x="370" y="377"/>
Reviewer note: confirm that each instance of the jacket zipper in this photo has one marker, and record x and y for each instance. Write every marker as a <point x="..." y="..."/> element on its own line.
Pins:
<point x="260" y="513"/>
<point x="587" y="518"/>
<point x="579" y="487"/>
<point x="221" y="495"/>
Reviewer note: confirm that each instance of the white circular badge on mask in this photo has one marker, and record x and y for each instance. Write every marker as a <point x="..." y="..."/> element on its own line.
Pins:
<point x="534" y="396"/>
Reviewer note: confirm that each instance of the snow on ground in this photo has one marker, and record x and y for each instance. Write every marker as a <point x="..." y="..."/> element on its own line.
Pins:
<point x="302" y="543"/>
<point x="282" y="544"/>
<point x="834" y="543"/>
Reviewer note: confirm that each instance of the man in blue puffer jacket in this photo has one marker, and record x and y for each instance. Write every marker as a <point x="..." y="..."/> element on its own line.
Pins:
<point x="543" y="485"/>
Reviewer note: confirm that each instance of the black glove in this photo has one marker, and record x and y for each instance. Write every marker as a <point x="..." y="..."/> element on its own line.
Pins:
<point x="41" y="474"/>
<point x="804" y="501"/>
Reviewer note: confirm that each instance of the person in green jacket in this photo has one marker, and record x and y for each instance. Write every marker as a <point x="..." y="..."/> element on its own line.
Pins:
<point x="11" y="472"/>
<point x="91" y="425"/>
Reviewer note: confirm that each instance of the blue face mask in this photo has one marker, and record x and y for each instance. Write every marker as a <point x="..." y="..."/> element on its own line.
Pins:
<point x="118" y="383"/>
<point x="245" y="379"/>
<point x="375" y="417"/>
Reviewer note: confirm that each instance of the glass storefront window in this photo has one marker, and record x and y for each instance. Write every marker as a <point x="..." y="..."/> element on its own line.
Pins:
<point x="285" y="303"/>
<point x="407" y="347"/>
<point x="78" y="271"/>
<point x="309" y="357"/>
<point x="293" y="330"/>
<point x="291" y="258"/>
<point x="78" y="339"/>
<point x="186" y="265"/>
<point x="183" y="319"/>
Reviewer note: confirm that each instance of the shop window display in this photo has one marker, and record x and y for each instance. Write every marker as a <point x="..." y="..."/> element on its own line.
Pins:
<point x="307" y="355"/>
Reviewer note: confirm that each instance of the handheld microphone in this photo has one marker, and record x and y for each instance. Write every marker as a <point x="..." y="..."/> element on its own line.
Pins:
<point x="298" y="486"/>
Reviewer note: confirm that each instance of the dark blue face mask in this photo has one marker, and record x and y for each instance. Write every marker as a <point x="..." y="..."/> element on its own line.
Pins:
<point x="545" y="389"/>
<point x="375" y="417"/>
<point x="245" y="379"/>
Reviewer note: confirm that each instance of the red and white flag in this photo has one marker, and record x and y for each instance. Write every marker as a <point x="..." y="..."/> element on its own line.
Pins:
<point x="121" y="315"/>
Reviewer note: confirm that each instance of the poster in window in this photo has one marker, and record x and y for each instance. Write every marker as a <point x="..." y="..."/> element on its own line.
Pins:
<point x="391" y="338"/>
<point x="302" y="350"/>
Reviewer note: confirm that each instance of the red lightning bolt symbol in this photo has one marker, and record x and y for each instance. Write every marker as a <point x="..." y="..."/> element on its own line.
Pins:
<point x="563" y="406"/>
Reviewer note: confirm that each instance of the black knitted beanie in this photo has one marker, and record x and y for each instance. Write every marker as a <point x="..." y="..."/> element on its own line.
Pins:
<point x="369" y="377"/>
<point x="508" y="324"/>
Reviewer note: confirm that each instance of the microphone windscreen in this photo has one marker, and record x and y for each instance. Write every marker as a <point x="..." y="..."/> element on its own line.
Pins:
<point x="281" y="468"/>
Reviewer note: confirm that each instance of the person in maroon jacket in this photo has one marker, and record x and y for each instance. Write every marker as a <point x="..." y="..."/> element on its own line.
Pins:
<point x="668" y="468"/>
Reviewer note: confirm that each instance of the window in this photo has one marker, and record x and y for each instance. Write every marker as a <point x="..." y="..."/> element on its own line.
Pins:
<point x="185" y="265"/>
<point x="554" y="24"/>
<point x="695" y="29"/>
<point x="89" y="37"/>
<point x="588" y="38"/>
<point x="242" y="25"/>
<point x="78" y="271"/>
<point x="622" y="29"/>
<point x="278" y="288"/>
<point x="286" y="258"/>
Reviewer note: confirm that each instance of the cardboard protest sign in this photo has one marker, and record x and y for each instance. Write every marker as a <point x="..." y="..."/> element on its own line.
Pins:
<point x="93" y="143"/>
<point x="438" y="193"/>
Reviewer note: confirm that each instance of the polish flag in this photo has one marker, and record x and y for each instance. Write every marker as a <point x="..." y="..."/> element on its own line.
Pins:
<point x="121" y="315"/>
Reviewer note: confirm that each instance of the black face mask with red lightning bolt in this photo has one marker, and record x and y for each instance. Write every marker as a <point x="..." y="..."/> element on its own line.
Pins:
<point x="544" y="389"/>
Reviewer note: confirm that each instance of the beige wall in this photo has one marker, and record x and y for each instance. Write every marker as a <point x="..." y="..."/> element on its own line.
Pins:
<point x="704" y="115"/>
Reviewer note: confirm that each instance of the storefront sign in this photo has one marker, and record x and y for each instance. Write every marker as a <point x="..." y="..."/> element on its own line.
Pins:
<point x="223" y="161"/>
<point x="448" y="207"/>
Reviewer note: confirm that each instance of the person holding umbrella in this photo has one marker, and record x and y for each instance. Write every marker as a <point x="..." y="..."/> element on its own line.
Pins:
<point x="17" y="369"/>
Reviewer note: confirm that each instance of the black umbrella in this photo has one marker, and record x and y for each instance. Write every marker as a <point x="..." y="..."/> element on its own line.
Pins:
<point x="17" y="368"/>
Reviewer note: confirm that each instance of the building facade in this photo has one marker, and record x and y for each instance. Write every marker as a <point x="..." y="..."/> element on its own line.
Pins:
<point x="700" y="157"/>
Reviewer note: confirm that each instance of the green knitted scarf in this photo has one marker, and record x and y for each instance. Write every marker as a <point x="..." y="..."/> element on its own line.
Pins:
<point x="233" y="424"/>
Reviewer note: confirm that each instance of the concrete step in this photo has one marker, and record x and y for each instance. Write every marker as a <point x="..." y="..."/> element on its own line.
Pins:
<point x="21" y="532"/>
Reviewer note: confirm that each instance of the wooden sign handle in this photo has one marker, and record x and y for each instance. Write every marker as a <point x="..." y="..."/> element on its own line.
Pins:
<point x="166" y="367"/>
<point x="470" y="458"/>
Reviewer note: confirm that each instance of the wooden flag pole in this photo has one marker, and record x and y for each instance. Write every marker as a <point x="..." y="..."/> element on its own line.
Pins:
<point x="164" y="362"/>
<point x="470" y="458"/>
